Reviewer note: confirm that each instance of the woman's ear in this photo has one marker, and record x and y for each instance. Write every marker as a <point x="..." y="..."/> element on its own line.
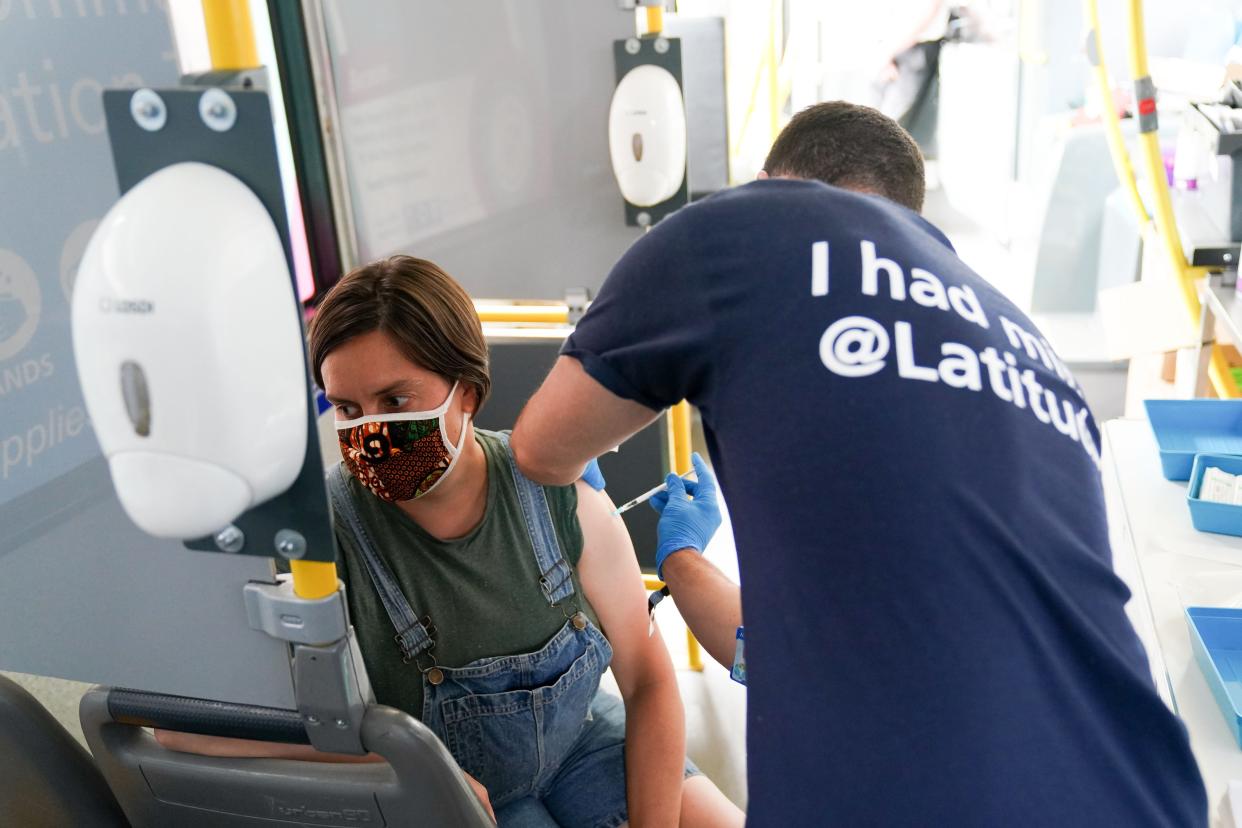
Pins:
<point x="470" y="400"/>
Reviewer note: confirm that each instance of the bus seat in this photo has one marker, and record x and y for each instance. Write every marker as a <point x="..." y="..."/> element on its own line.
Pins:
<point x="47" y="780"/>
<point x="418" y="785"/>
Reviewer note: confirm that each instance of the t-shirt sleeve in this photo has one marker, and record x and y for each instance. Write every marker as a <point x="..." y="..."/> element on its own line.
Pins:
<point x="648" y="335"/>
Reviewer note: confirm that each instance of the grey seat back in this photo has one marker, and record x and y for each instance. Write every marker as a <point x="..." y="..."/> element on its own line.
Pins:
<point x="419" y="785"/>
<point x="46" y="778"/>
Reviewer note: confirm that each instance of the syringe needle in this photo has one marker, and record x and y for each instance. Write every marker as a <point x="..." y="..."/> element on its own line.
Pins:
<point x="647" y="495"/>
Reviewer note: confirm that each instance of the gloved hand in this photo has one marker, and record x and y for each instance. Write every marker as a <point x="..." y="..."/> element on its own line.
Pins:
<point x="593" y="477"/>
<point x="686" y="523"/>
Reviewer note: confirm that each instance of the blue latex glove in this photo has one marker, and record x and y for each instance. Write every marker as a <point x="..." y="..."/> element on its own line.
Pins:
<point x="593" y="477"/>
<point x="686" y="523"/>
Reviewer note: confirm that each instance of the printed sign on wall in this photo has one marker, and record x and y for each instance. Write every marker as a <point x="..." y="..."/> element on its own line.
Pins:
<point x="56" y="182"/>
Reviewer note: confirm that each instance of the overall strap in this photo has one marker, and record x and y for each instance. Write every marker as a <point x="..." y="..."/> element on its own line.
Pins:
<point x="412" y="635"/>
<point x="556" y="579"/>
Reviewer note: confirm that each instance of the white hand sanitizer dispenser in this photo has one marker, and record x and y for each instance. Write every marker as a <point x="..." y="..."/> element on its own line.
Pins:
<point x="188" y="344"/>
<point x="647" y="135"/>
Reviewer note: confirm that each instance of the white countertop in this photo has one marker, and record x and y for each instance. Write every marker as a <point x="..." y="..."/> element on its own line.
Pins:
<point x="1169" y="566"/>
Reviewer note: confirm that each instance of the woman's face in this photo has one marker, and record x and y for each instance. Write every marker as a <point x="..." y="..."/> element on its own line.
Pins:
<point x="369" y="375"/>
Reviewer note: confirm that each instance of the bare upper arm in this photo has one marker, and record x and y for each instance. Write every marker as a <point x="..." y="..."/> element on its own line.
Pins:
<point x="228" y="747"/>
<point x="613" y="583"/>
<point x="570" y="420"/>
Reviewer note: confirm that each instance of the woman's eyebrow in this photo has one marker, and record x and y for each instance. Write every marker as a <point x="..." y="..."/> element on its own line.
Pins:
<point x="399" y="385"/>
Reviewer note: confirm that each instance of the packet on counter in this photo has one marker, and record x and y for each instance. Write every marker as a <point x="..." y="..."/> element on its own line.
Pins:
<point x="1221" y="487"/>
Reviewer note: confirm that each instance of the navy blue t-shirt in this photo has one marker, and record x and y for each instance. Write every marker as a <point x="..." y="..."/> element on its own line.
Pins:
<point x="934" y="632"/>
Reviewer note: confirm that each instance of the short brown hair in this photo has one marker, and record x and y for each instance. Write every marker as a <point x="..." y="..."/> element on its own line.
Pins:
<point x="426" y="312"/>
<point x="853" y="147"/>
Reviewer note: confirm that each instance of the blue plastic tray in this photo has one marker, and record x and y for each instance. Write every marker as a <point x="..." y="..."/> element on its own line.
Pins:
<point x="1185" y="428"/>
<point x="1223" y="518"/>
<point x="1216" y="637"/>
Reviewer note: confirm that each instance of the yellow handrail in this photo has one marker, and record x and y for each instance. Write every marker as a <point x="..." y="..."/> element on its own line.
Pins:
<point x="542" y="314"/>
<point x="774" y="61"/>
<point x="313" y="579"/>
<point x="230" y="35"/>
<point x="1163" y="222"/>
<point x="772" y="69"/>
<point x="231" y="42"/>
<point x="679" y="437"/>
<point x="1112" y="122"/>
<point x="1153" y="163"/>
<point x="1030" y="47"/>
<point x="655" y="20"/>
<point x="679" y="457"/>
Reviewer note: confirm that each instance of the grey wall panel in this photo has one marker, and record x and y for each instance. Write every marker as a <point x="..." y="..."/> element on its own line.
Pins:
<point x="92" y="599"/>
<point x="83" y="593"/>
<point x="703" y="78"/>
<point x="475" y="135"/>
<point x="56" y="182"/>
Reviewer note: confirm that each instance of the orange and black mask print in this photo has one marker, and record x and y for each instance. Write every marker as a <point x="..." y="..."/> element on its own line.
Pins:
<point x="397" y="459"/>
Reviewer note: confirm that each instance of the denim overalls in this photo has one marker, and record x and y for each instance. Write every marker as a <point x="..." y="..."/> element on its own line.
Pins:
<point x="509" y="721"/>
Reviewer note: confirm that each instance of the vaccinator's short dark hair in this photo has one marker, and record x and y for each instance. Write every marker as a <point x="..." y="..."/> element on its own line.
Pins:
<point x="850" y="146"/>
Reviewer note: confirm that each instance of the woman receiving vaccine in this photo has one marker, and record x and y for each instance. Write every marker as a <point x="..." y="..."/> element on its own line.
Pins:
<point x="486" y="605"/>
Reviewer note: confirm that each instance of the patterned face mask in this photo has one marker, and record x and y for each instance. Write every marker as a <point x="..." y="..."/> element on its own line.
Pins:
<point x="401" y="456"/>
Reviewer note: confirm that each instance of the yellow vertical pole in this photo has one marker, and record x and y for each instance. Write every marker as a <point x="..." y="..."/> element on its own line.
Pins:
<point x="230" y="35"/>
<point x="678" y="415"/>
<point x="1149" y="144"/>
<point x="694" y="652"/>
<point x="774" y="63"/>
<point x="655" y="19"/>
<point x="679" y="456"/>
<point x="1030" y="33"/>
<point x="1162" y="202"/>
<point x="1109" y="117"/>
<point x="231" y="42"/>
<point x="679" y="429"/>
<point x="313" y="579"/>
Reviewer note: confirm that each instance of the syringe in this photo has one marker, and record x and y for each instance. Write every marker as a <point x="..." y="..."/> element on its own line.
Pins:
<point x="645" y="496"/>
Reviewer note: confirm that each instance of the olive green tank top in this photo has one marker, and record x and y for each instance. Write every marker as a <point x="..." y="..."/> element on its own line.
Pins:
<point x="481" y="591"/>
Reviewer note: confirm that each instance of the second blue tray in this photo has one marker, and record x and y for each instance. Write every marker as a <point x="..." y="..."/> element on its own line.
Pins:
<point x="1216" y="638"/>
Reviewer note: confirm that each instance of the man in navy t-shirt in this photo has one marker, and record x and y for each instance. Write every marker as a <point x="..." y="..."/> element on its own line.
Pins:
<point x="934" y="633"/>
